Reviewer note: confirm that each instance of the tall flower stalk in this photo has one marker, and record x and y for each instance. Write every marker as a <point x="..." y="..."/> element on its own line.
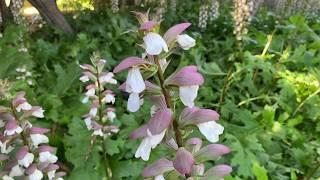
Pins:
<point x="147" y="79"/>
<point x="101" y="114"/>
<point x="25" y="152"/>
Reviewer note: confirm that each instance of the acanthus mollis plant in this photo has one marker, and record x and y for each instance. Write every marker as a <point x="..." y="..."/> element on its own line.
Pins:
<point x="101" y="115"/>
<point x="169" y="124"/>
<point x="25" y="152"/>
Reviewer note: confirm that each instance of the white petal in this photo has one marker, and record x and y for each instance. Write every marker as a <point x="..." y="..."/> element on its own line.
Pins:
<point x="84" y="78"/>
<point x="85" y="100"/>
<point x="36" y="175"/>
<point x="98" y="132"/>
<point x="47" y="157"/>
<point x="93" y="111"/>
<point x="16" y="171"/>
<point x="133" y="102"/>
<point x="88" y="123"/>
<point x="17" y="130"/>
<point x="26" y="160"/>
<point x="38" y="139"/>
<point x="90" y="92"/>
<point x="111" y="115"/>
<point x="144" y="149"/>
<point x="154" y="44"/>
<point x="135" y="82"/>
<point x="159" y="177"/>
<point x="185" y="41"/>
<point x="51" y="174"/>
<point x="4" y="148"/>
<point x="38" y="113"/>
<point x="211" y="130"/>
<point x="109" y="98"/>
<point x="5" y="177"/>
<point x="188" y="94"/>
<point x="156" y="139"/>
<point x="24" y="106"/>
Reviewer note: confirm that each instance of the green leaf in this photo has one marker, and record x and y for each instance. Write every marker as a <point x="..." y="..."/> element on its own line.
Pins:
<point x="259" y="171"/>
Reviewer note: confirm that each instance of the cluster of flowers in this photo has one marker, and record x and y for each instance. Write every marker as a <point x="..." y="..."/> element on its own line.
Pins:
<point x="115" y="6"/>
<point x="4" y="89"/>
<point x="203" y="17"/>
<point x="24" y="74"/>
<point x="15" y="8"/>
<point x="214" y="10"/>
<point x="24" y="148"/>
<point x="173" y="5"/>
<point x="161" y="10"/>
<point x="164" y="125"/>
<point x="242" y="17"/>
<point x="98" y="95"/>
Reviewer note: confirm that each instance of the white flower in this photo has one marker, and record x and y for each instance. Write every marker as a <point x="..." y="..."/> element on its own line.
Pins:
<point x="93" y="111"/>
<point x="38" y="139"/>
<point x="84" y="78"/>
<point x="36" y="175"/>
<point x="51" y="174"/>
<point x="5" y="177"/>
<point x="26" y="160"/>
<point x="98" y="132"/>
<point x="159" y="177"/>
<point x="87" y="121"/>
<point x="148" y="143"/>
<point x="47" y="157"/>
<point x="111" y="115"/>
<point x="108" y="78"/>
<point x="188" y="94"/>
<point x="38" y="113"/>
<point x="24" y="106"/>
<point x="211" y="130"/>
<point x="185" y="41"/>
<point x="109" y="98"/>
<point x="11" y="132"/>
<point x="154" y="44"/>
<point x="135" y="82"/>
<point x="133" y="102"/>
<point x="91" y="92"/>
<point x="4" y="148"/>
<point x="16" y="171"/>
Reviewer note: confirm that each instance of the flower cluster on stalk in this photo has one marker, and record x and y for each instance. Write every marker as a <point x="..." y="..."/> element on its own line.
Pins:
<point x="24" y="74"/>
<point x="15" y="8"/>
<point x="24" y="147"/>
<point x="146" y="80"/>
<point x="203" y="17"/>
<point x="115" y="6"/>
<point x="101" y="112"/>
<point x="241" y="17"/>
<point x="214" y="10"/>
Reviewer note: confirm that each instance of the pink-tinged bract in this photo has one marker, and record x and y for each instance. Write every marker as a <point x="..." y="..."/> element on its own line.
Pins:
<point x="44" y="148"/>
<point x="140" y="132"/>
<point x="31" y="169"/>
<point x="11" y="125"/>
<point x="174" y="31"/>
<point x="187" y="76"/>
<point x="196" y="115"/>
<point x="183" y="162"/>
<point x="148" y="25"/>
<point x="128" y="63"/>
<point x="38" y="130"/>
<point x="217" y="172"/>
<point x="194" y="144"/>
<point x="159" y="101"/>
<point x="23" y="151"/>
<point x="160" y="121"/>
<point x="157" y="168"/>
<point x="211" y="152"/>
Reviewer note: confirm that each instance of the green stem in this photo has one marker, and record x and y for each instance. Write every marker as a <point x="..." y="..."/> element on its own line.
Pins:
<point x="303" y="102"/>
<point x="100" y="111"/>
<point x="167" y="97"/>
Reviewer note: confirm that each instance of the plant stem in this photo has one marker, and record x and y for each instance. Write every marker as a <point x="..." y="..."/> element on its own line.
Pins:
<point x="168" y="102"/>
<point x="313" y="171"/>
<point x="100" y="111"/>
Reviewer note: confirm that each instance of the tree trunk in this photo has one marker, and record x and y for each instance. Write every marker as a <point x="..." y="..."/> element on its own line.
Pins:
<point x="5" y="13"/>
<point x="50" y="12"/>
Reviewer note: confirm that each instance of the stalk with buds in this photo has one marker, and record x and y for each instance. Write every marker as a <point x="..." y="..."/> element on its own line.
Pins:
<point x="101" y="114"/>
<point x="25" y="152"/>
<point x="147" y="79"/>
